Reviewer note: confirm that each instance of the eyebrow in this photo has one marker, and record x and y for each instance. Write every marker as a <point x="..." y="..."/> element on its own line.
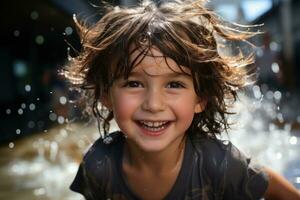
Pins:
<point x="170" y="74"/>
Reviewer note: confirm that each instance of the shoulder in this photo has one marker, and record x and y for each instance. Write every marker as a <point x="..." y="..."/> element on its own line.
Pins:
<point x="100" y="153"/>
<point x="212" y="150"/>
<point x="232" y="173"/>
<point x="94" y="175"/>
<point x="218" y="152"/>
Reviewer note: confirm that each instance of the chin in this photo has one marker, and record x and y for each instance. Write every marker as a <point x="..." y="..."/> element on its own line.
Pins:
<point x="152" y="147"/>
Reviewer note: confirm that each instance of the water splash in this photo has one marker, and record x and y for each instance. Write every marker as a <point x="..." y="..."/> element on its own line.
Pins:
<point x="263" y="133"/>
<point x="42" y="167"/>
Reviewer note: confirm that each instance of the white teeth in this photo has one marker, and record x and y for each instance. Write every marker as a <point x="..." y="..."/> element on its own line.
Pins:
<point x="157" y="124"/>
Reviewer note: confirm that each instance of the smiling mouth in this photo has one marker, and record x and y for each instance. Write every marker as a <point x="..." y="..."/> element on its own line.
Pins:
<point x="153" y="126"/>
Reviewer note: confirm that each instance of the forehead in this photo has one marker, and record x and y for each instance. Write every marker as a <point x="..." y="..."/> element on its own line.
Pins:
<point x="155" y="63"/>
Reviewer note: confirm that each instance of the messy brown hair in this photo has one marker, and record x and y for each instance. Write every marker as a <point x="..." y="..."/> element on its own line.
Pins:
<point x="185" y="31"/>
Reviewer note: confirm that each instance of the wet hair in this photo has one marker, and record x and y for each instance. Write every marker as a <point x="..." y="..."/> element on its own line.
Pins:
<point x="185" y="31"/>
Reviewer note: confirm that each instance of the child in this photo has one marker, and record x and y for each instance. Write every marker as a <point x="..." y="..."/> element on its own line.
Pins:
<point x="157" y="70"/>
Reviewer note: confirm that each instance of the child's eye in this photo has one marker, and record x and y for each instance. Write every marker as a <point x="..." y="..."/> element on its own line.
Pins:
<point x="133" y="84"/>
<point x="175" y="84"/>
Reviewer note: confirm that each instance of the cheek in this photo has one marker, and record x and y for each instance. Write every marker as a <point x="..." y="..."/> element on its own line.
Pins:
<point x="124" y="106"/>
<point x="186" y="113"/>
<point x="185" y="110"/>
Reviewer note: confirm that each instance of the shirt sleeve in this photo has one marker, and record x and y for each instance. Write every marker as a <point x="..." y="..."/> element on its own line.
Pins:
<point x="243" y="179"/>
<point x="94" y="176"/>
<point x="80" y="184"/>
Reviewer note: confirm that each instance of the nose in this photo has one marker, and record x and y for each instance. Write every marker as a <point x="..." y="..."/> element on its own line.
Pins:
<point x="154" y="101"/>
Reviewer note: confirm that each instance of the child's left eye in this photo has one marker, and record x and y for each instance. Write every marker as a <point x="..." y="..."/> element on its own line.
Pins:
<point x="132" y="84"/>
<point x="175" y="84"/>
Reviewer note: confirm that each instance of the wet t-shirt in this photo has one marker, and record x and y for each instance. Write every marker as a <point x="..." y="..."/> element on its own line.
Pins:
<point x="210" y="170"/>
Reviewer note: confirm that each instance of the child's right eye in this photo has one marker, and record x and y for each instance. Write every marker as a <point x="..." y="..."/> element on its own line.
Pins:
<point x="133" y="84"/>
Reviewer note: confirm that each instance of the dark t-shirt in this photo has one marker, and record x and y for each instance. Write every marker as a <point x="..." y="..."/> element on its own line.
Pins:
<point x="210" y="170"/>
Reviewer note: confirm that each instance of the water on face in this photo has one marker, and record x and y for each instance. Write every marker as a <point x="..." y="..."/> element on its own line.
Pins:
<point x="44" y="165"/>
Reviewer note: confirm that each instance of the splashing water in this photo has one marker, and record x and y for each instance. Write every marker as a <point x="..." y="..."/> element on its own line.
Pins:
<point x="43" y="166"/>
<point x="262" y="133"/>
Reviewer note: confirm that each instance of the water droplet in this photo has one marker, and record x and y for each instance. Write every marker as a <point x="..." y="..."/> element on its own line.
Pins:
<point x="32" y="106"/>
<point x="275" y="67"/>
<point x="60" y="119"/>
<point x="39" y="191"/>
<point x="50" y="92"/>
<point x="18" y="131"/>
<point x="11" y="145"/>
<point x="8" y="111"/>
<point x="63" y="100"/>
<point x="23" y="105"/>
<point x="34" y="15"/>
<point x="39" y="39"/>
<point x="27" y="88"/>
<point x="70" y="58"/>
<point x="256" y="92"/>
<point x="264" y="88"/>
<point x="293" y="140"/>
<point x="16" y="33"/>
<point x="52" y="116"/>
<point x="259" y="52"/>
<point x="37" y="99"/>
<point x="40" y="124"/>
<point x="31" y="124"/>
<point x="20" y="68"/>
<point x="274" y="46"/>
<point x="20" y="111"/>
<point x="68" y="30"/>
<point x="277" y="95"/>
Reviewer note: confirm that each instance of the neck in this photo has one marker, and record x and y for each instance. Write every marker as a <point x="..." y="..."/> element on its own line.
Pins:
<point x="160" y="162"/>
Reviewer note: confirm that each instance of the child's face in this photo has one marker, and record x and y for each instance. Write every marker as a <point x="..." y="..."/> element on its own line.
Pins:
<point x="156" y="105"/>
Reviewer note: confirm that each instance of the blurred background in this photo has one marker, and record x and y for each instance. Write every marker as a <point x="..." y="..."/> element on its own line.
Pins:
<point x="43" y="133"/>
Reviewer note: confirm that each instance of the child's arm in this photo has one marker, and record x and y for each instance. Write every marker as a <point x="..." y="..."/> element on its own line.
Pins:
<point x="279" y="188"/>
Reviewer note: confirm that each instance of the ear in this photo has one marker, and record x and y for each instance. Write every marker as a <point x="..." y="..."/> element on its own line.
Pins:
<point x="201" y="105"/>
